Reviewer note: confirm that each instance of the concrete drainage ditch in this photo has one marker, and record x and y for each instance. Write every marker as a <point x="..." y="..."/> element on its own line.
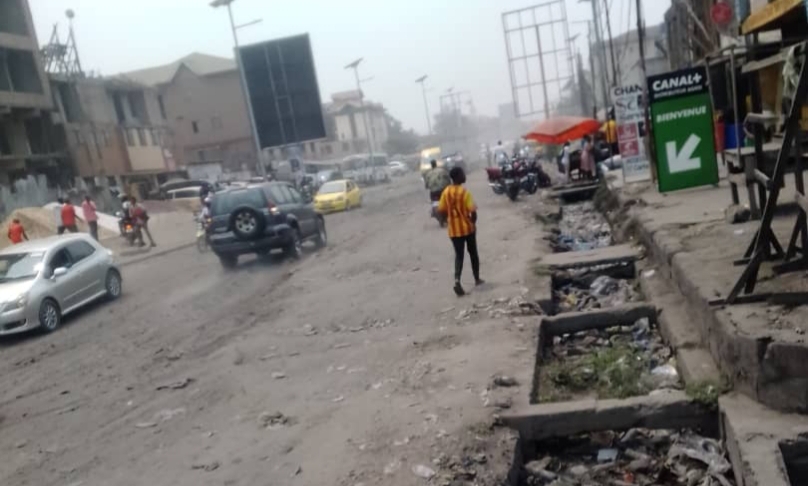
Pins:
<point x="630" y="422"/>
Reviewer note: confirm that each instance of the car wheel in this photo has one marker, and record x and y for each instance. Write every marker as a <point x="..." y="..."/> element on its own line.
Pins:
<point x="113" y="284"/>
<point x="229" y="262"/>
<point x="247" y="223"/>
<point x="322" y="237"/>
<point x="295" y="247"/>
<point x="50" y="316"/>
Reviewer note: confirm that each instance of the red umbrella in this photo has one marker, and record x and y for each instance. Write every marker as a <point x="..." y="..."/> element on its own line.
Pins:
<point x="562" y="129"/>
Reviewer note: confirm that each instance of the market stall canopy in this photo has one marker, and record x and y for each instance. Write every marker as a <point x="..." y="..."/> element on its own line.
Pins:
<point x="773" y="13"/>
<point x="562" y="129"/>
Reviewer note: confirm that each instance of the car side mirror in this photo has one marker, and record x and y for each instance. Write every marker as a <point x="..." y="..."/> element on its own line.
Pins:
<point x="61" y="271"/>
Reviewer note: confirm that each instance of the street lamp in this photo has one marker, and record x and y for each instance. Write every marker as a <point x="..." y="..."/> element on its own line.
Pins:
<point x="368" y="129"/>
<point x="421" y="80"/>
<point x="243" y="79"/>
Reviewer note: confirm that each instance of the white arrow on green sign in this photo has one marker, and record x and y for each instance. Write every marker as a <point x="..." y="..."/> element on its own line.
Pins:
<point x="683" y="160"/>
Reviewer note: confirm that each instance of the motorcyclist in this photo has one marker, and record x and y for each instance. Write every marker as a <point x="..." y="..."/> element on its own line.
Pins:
<point x="436" y="180"/>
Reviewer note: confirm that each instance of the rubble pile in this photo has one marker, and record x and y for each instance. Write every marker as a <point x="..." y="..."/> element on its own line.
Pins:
<point x="637" y="457"/>
<point x="618" y="362"/>
<point x="588" y="292"/>
<point x="581" y="228"/>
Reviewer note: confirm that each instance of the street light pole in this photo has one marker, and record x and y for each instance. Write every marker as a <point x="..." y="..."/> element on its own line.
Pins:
<point x="368" y="129"/>
<point x="243" y="79"/>
<point x="422" y="80"/>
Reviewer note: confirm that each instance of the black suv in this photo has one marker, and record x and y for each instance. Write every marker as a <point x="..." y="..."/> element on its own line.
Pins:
<point x="261" y="218"/>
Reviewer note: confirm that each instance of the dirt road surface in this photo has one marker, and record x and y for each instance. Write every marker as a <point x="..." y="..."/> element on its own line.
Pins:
<point x="359" y="347"/>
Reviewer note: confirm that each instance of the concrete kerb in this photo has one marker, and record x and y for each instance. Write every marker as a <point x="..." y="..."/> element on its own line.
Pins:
<point x="125" y="262"/>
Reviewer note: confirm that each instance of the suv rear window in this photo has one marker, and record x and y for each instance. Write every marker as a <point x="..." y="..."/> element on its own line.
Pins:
<point x="226" y="202"/>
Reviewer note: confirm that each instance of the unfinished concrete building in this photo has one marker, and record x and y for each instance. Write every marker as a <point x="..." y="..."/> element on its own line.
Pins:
<point x="30" y="142"/>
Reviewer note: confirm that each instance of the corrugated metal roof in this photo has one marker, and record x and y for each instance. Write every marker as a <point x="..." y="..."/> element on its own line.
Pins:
<point x="199" y="63"/>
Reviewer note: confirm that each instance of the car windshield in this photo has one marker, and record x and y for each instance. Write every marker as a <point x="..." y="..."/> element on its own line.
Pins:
<point x="226" y="202"/>
<point x="20" y="266"/>
<point x="332" y="188"/>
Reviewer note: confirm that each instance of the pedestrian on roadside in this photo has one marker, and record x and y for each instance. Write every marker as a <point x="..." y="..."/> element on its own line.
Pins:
<point x="140" y="217"/>
<point x="68" y="214"/>
<point x="88" y="209"/>
<point x="461" y="214"/>
<point x="588" y="158"/>
<point x="16" y="232"/>
<point x="57" y="216"/>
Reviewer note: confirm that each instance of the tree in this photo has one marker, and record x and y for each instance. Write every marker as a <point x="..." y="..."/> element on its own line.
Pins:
<point x="399" y="141"/>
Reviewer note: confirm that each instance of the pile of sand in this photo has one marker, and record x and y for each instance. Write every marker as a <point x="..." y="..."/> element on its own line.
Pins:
<point x="40" y="223"/>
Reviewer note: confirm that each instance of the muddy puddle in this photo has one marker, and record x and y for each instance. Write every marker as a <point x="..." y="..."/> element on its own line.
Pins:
<point x="636" y="457"/>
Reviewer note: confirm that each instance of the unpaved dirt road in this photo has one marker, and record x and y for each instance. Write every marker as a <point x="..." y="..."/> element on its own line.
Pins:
<point x="358" y="346"/>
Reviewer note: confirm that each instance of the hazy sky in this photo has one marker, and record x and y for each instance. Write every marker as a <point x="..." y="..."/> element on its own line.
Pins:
<point x="458" y="43"/>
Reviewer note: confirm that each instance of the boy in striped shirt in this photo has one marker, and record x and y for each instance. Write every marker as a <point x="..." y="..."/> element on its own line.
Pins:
<point x="461" y="215"/>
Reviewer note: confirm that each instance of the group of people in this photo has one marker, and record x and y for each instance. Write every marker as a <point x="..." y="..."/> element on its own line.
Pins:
<point x="66" y="219"/>
<point x="457" y="205"/>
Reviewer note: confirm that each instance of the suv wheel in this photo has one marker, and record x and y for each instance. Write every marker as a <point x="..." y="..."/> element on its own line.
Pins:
<point x="229" y="262"/>
<point x="247" y="223"/>
<point x="322" y="237"/>
<point x="295" y="247"/>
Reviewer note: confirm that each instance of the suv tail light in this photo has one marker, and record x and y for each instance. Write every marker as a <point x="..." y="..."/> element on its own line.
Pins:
<point x="273" y="209"/>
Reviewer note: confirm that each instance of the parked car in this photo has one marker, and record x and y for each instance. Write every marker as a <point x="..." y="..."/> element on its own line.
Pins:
<point x="43" y="280"/>
<point x="341" y="195"/>
<point x="398" y="168"/>
<point x="259" y="219"/>
<point x="186" y="193"/>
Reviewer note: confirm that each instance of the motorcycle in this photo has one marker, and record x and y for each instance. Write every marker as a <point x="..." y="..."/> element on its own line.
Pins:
<point x="435" y="200"/>
<point x="495" y="181"/>
<point x="127" y="228"/>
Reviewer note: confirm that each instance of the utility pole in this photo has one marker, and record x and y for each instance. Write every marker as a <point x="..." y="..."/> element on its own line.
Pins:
<point x="422" y="81"/>
<point x="648" y="144"/>
<point x="592" y="70"/>
<point x="368" y="129"/>
<point x="250" y="112"/>
<point x="616" y="77"/>
<point x="601" y="48"/>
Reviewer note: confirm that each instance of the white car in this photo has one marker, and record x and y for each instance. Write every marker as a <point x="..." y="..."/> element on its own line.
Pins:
<point x="398" y="168"/>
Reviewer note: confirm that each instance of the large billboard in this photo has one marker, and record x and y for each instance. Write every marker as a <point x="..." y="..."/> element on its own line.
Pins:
<point x="282" y="87"/>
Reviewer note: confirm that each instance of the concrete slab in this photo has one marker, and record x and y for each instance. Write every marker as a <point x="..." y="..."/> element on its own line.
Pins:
<point x="572" y="322"/>
<point x="662" y="410"/>
<point x="752" y="434"/>
<point x="590" y="258"/>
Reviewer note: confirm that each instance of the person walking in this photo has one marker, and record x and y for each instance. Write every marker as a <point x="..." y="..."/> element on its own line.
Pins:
<point x="68" y="214"/>
<point x="587" y="158"/>
<point x="57" y="216"/>
<point x="140" y="217"/>
<point x="16" y="232"/>
<point x="88" y="209"/>
<point x="436" y="180"/>
<point x="458" y="206"/>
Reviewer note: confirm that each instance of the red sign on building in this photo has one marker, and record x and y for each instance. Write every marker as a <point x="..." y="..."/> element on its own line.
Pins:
<point x="721" y="13"/>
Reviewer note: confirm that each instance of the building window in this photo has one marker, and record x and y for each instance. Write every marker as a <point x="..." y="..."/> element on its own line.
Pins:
<point x="155" y="137"/>
<point x="130" y="137"/>
<point x="162" y="107"/>
<point x="328" y="150"/>
<point x="200" y="154"/>
<point x="141" y="136"/>
<point x="195" y="126"/>
<point x="12" y="18"/>
<point x="346" y="147"/>
<point x="216" y="123"/>
<point x="313" y="147"/>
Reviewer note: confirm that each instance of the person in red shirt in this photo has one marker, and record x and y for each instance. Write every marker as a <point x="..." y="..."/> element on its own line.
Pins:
<point x="69" y="217"/>
<point x="16" y="233"/>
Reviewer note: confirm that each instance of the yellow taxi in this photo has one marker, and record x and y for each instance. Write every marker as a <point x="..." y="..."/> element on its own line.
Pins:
<point x="342" y="195"/>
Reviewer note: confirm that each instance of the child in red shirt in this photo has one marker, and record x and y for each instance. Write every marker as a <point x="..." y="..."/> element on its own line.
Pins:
<point x="16" y="233"/>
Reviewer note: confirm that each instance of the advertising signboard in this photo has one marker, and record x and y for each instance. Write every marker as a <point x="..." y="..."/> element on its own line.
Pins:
<point x="630" y="118"/>
<point x="682" y="118"/>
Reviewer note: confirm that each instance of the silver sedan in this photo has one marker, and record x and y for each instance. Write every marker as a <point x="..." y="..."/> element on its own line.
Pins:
<point x="42" y="280"/>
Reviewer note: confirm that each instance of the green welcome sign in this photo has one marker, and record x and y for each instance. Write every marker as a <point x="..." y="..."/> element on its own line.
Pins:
<point x="682" y="118"/>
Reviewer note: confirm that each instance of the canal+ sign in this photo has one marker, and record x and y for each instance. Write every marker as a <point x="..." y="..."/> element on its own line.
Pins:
<point x="678" y="83"/>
